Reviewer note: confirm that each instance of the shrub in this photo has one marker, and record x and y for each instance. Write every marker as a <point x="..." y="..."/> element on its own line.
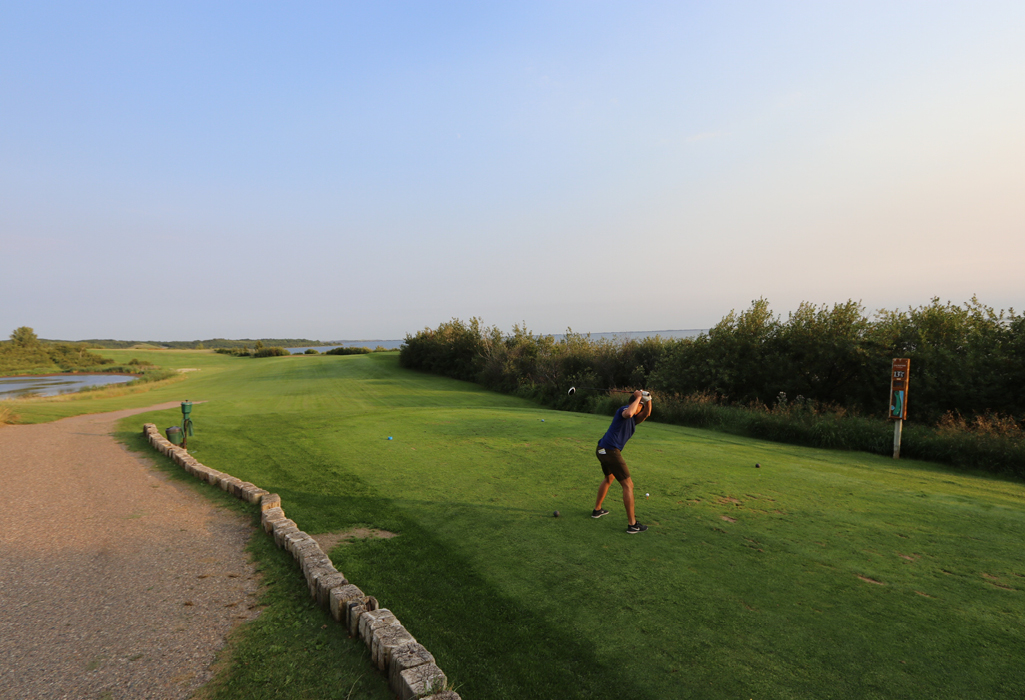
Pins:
<point x="347" y="351"/>
<point x="271" y="352"/>
<point x="24" y="352"/>
<point x="311" y="351"/>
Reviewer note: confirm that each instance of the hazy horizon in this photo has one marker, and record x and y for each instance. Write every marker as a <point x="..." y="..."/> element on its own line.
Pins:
<point x="344" y="170"/>
<point x="677" y="332"/>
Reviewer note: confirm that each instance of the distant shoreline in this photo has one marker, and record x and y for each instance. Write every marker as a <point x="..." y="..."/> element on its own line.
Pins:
<point x="303" y="343"/>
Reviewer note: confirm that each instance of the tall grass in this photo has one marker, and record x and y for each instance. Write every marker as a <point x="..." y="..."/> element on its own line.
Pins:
<point x="995" y="444"/>
<point x="7" y="416"/>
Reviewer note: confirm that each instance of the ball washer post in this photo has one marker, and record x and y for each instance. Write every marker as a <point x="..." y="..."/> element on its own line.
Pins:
<point x="186" y="423"/>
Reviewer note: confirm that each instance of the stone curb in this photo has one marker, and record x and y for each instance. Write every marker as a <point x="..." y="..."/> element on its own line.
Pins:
<point x="411" y="670"/>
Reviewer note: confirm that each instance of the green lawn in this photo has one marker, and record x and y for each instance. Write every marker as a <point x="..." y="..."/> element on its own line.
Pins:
<point x="820" y="575"/>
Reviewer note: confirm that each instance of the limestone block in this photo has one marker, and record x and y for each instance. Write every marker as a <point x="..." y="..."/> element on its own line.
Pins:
<point x="302" y="548"/>
<point x="421" y="681"/>
<point x="281" y="530"/>
<point x="246" y="492"/>
<point x="293" y="540"/>
<point x="404" y="657"/>
<point x="386" y="640"/>
<point x="339" y="599"/>
<point x="213" y="477"/>
<point x="314" y="561"/>
<point x="285" y="522"/>
<point x="268" y="517"/>
<point x="270" y="500"/>
<point x="354" y="611"/>
<point x="311" y="562"/>
<point x="326" y="584"/>
<point x="306" y="547"/>
<point x="371" y="620"/>
<point x="224" y="482"/>
<point x="306" y="555"/>
<point x="256" y="494"/>
<point x="316" y="572"/>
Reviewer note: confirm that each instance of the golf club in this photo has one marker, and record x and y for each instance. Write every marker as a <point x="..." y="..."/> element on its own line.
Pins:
<point x="575" y="389"/>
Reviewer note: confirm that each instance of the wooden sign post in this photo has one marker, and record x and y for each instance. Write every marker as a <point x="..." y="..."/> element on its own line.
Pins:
<point x="899" y="399"/>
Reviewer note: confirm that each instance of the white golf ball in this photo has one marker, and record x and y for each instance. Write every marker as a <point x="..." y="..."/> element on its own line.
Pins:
<point x="647" y="495"/>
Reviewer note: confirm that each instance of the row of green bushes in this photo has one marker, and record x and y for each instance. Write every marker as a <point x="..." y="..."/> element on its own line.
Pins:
<point x="351" y="351"/>
<point x="834" y="362"/>
<point x="260" y="351"/>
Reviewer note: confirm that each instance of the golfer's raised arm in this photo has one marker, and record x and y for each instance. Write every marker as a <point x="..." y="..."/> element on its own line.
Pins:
<point x="634" y="407"/>
<point x="644" y="412"/>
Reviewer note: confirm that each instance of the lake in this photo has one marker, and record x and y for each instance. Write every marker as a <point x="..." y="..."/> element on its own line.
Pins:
<point x="16" y="387"/>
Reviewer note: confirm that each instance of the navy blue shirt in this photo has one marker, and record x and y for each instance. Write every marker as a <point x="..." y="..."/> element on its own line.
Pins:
<point x="621" y="430"/>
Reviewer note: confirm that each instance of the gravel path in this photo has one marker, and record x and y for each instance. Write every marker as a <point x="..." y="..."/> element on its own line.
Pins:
<point x="115" y="582"/>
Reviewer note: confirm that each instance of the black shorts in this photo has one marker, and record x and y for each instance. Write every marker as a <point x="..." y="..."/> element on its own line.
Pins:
<point x="612" y="463"/>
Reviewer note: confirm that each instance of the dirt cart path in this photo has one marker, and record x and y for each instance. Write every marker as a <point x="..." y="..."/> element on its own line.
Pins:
<point x="115" y="582"/>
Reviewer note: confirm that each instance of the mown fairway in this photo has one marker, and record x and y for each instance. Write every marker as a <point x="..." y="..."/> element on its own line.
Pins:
<point x="820" y="575"/>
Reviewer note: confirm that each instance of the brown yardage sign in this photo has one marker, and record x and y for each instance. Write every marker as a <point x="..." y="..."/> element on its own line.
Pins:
<point x="899" y="388"/>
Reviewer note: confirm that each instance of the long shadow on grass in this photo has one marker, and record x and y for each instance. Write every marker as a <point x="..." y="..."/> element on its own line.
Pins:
<point x="490" y="645"/>
<point x="293" y="650"/>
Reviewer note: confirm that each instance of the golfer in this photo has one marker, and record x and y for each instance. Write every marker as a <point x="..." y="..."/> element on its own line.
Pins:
<point x="610" y="455"/>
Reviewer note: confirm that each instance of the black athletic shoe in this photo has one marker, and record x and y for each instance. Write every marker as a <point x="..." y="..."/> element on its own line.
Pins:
<point x="598" y="513"/>
<point x="635" y="528"/>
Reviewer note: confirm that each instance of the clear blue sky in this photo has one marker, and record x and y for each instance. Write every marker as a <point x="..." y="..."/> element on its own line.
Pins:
<point x="363" y="170"/>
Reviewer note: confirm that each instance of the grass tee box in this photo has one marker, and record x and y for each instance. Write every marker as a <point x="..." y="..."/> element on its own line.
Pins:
<point x="821" y="574"/>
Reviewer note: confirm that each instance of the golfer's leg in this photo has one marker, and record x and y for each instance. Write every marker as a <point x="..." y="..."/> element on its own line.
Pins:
<point x="602" y="490"/>
<point x="628" y="499"/>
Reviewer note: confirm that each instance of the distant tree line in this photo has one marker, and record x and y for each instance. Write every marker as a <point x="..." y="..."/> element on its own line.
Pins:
<point x="212" y="343"/>
<point x="260" y="350"/>
<point x="799" y="375"/>
<point x="968" y="359"/>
